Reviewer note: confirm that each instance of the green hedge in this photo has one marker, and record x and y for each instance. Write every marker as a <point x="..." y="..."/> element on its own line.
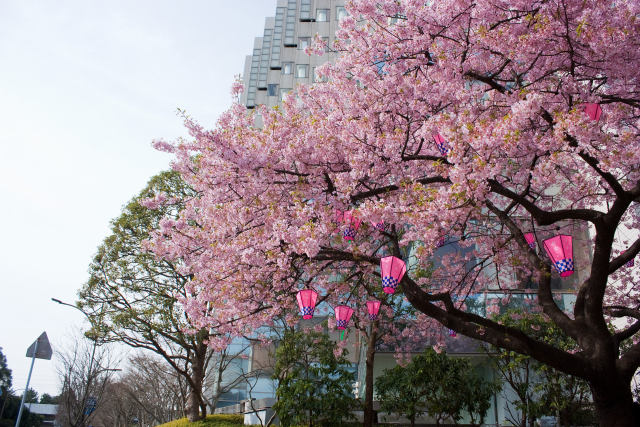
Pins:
<point x="218" y="420"/>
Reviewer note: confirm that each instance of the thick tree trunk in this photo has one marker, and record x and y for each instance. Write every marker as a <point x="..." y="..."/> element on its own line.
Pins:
<point x="369" y="414"/>
<point x="193" y="406"/>
<point x="203" y="408"/>
<point x="614" y="405"/>
<point x="194" y="400"/>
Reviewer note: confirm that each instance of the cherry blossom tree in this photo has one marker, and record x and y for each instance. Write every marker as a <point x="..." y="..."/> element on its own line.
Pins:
<point x="481" y="121"/>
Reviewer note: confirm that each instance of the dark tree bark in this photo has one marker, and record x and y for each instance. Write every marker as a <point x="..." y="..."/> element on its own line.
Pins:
<point x="196" y="406"/>
<point x="614" y="403"/>
<point x="369" y="413"/>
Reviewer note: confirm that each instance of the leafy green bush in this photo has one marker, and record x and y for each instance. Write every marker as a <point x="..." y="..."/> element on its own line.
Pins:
<point x="441" y="386"/>
<point x="314" y="383"/>
<point x="217" y="420"/>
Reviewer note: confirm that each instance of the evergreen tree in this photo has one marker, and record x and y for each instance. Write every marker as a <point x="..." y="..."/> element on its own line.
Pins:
<point x="315" y="386"/>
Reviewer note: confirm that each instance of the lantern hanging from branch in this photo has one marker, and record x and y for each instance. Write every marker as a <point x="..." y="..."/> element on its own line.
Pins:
<point x="630" y="263"/>
<point x="560" y="250"/>
<point x="392" y="269"/>
<point x="307" y="302"/>
<point x="343" y="314"/>
<point x="372" y="308"/>
<point x="594" y="111"/>
<point x="378" y="225"/>
<point x="353" y="223"/>
<point x="452" y="333"/>
<point x="441" y="241"/>
<point x="531" y="240"/>
<point x="442" y="145"/>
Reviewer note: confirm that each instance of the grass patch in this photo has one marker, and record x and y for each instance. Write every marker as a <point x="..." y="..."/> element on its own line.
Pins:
<point x="217" y="420"/>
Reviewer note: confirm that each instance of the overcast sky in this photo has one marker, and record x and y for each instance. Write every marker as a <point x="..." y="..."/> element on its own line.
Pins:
<point x="84" y="88"/>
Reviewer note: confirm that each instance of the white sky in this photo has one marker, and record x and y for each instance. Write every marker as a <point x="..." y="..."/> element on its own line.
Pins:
<point x="84" y="88"/>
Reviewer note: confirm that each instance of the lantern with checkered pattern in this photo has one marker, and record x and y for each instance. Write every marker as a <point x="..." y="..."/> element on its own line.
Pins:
<point x="353" y="223"/>
<point x="442" y="145"/>
<point x="560" y="250"/>
<point x="378" y="225"/>
<point x="372" y="308"/>
<point x="531" y="240"/>
<point x="343" y="314"/>
<point x="594" y="111"/>
<point x="392" y="269"/>
<point x="307" y="302"/>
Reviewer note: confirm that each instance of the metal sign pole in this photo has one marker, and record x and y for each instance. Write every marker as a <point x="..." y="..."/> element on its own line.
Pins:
<point x="40" y="349"/>
<point x="24" y="395"/>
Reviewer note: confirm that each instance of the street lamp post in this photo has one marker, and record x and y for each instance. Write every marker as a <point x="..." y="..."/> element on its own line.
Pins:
<point x="90" y="372"/>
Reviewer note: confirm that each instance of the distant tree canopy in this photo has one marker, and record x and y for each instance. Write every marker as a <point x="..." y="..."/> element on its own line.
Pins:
<point x="5" y="373"/>
<point x="32" y="396"/>
<point x="46" y="398"/>
<point x="135" y="294"/>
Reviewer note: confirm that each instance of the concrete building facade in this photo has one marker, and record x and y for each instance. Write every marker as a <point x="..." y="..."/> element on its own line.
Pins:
<point x="279" y="62"/>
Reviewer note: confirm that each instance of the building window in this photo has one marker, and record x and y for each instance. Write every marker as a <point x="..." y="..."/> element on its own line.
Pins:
<point x="283" y="93"/>
<point x="302" y="71"/>
<point x="272" y="89"/>
<point x="322" y="15"/>
<point x="305" y="10"/>
<point x="341" y="13"/>
<point x="287" y="68"/>
<point x="304" y="42"/>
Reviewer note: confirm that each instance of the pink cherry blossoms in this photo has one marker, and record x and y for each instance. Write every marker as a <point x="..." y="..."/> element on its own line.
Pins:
<point x="503" y="85"/>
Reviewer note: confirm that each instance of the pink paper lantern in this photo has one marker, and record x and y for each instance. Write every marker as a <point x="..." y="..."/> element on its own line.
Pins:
<point x="392" y="269"/>
<point x="378" y="225"/>
<point x="452" y="333"/>
<point x="343" y="314"/>
<point x="594" y="111"/>
<point x="307" y="302"/>
<point x="353" y="223"/>
<point x="372" y="308"/>
<point x="442" y="145"/>
<point x="560" y="250"/>
<point x="531" y="240"/>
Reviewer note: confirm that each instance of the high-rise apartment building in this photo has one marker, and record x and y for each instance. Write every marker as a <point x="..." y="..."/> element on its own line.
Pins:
<point x="279" y="62"/>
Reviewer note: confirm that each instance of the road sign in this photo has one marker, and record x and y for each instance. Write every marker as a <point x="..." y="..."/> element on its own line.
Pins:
<point x="92" y="402"/>
<point x="42" y="349"/>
